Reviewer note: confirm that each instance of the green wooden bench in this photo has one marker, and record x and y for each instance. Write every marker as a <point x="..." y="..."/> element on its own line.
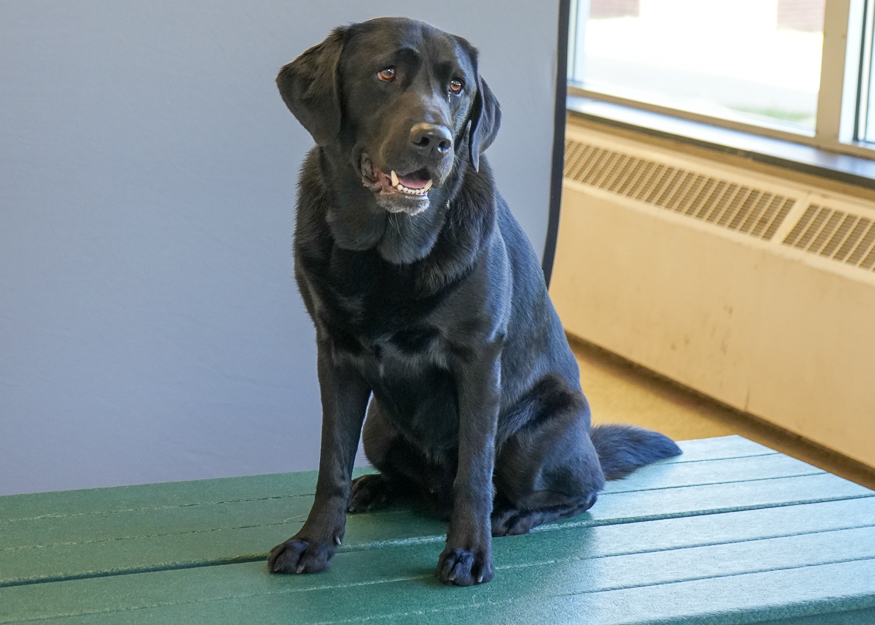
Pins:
<point x="730" y="532"/>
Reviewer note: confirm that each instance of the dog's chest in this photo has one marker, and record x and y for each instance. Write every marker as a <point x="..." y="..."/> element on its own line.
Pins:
<point x="398" y="342"/>
<point x="384" y="341"/>
<point x="367" y="306"/>
<point x="410" y="373"/>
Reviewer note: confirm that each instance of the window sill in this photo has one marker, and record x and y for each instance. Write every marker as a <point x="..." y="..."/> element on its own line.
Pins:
<point x="845" y="168"/>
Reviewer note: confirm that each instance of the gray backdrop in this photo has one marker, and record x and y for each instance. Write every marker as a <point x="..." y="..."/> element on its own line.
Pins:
<point x="150" y="328"/>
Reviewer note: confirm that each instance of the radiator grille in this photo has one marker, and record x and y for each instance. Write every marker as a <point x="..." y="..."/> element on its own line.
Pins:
<point x="737" y="207"/>
<point x="835" y="234"/>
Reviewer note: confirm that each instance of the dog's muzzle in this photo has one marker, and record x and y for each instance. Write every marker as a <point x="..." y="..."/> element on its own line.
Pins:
<point x="398" y="192"/>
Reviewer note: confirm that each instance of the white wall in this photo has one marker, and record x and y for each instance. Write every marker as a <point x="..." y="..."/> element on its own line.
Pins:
<point x="150" y="328"/>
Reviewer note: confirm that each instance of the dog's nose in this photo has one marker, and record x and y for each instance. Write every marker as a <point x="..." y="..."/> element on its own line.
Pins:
<point x="432" y="140"/>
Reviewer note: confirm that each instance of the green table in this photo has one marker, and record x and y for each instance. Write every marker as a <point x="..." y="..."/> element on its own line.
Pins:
<point x="730" y="532"/>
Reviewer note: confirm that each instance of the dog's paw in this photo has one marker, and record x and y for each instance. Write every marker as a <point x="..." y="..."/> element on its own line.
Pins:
<point x="464" y="568"/>
<point x="370" y="492"/>
<point x="300" y="556"/>
<point x="513" y="522"/>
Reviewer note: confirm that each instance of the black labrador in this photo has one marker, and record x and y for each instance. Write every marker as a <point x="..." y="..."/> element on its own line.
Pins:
<point x="430" y="308"/>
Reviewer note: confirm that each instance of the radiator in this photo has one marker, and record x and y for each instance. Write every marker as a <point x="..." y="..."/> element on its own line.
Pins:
<point x="751" y="289"/>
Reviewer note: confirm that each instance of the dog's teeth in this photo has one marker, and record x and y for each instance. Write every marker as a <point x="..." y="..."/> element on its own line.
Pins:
<point x="394" y="177"/>
<point x="408" y="191"/>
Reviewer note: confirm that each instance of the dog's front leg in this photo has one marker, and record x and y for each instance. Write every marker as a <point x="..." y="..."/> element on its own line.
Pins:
<point x="344" y="400"/>
<point x="467" y="558"/>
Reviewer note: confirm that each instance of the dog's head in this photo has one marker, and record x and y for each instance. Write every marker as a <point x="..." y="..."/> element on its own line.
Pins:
<point x="401" y="101"/>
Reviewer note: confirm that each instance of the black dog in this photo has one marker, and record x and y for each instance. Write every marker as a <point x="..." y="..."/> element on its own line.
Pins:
<point x="429" y="302"/>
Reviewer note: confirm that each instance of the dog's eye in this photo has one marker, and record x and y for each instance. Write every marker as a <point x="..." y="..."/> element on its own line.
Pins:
<point x="386" y="74"/>
<point x="456" y="86"/>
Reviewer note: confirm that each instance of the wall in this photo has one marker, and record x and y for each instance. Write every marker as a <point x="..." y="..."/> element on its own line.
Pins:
<point x="150" y="328"/>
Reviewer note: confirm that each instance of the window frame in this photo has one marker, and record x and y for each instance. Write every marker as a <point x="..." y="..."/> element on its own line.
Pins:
<point x="842" y="67"/>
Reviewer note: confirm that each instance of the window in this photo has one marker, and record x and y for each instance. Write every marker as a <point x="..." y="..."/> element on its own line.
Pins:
<point x="865" y="123"/>
<point x="800" y="70"/>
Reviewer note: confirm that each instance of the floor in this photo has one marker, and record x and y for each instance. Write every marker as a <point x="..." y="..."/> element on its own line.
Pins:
<point x="621" y="392"/>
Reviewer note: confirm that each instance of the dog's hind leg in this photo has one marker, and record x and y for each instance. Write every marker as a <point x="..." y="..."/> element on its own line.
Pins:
<point x="547" y="471"/>
<point x="371" y="492"/>
<point x="375" y="490"/>
<point x="405" y="471"/>
<point x="511" y="521"/>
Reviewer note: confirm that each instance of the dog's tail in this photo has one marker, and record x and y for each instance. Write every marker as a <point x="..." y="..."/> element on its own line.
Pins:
<point x="624" y="448"/>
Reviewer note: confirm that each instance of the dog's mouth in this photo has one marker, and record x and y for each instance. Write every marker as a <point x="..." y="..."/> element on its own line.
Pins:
<point x="415" y="184"/>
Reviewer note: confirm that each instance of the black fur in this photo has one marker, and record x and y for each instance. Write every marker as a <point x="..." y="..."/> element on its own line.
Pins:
<point x="431" y="311"/>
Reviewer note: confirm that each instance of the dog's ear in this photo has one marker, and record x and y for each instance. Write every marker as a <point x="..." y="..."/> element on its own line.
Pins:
<point x="309" y="87"/>
<point x="485" y="120"/>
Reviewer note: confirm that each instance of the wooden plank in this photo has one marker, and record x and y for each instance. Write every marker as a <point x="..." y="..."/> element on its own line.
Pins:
<point x="723" y="497"/>
<point x="673" y="475"/>
<point x="400" y="559"/>
<point x="64" y="504"/>
<point x="191" y="536"/>
<point x="843" y="591"/>
<point x="854" y="617"/>
<point x="272" y="506"/>
<point x="205" y="492"/>
<point x="176" y="549"/>
<point x="537" y="575"/>
<point x="719" y="448"/>
<point x="221" y="530"/>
